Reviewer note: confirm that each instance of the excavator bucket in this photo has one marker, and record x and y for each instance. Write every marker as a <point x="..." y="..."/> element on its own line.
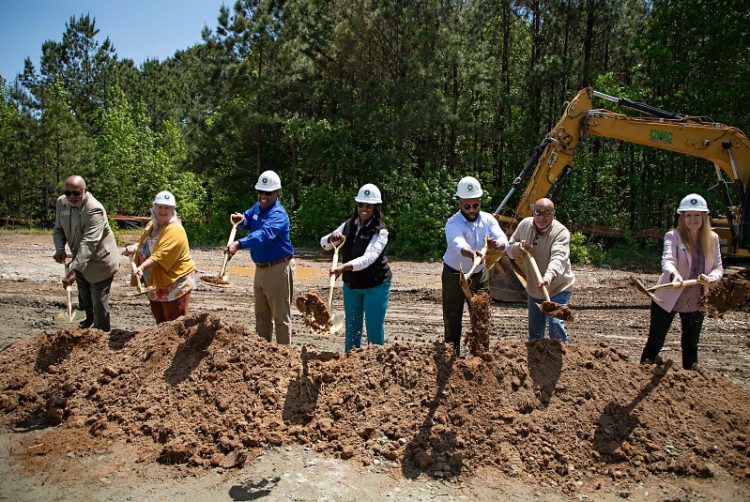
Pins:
<point x="507" y="283"/>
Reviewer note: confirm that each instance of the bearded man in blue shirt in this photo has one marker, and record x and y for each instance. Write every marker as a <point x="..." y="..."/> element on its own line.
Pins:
<point x="273" y="254"/>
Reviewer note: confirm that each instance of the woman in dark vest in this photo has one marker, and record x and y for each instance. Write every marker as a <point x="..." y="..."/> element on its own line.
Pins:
<point x="367" y="276"/>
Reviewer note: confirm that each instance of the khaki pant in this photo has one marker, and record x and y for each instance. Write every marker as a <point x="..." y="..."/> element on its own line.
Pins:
<point x="273" y="288"/>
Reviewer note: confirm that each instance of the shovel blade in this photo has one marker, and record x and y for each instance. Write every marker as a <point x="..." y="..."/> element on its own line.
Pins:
<point x="643" y="289"/>
<point x="337" y="324"/>
<point x="76" y="317"/>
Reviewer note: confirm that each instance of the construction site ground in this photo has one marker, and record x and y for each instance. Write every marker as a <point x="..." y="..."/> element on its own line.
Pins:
<point x="242" y="419"/>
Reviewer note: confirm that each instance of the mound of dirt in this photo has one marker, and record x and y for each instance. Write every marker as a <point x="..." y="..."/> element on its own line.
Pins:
<point x="314" y="311"/>
<point x="200" y="392"/>
<point x="732" y="293"/>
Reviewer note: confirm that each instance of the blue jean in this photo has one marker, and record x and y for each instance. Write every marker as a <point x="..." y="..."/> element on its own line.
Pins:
<point x="537" y="319"/>
<point x="370" y="304"/>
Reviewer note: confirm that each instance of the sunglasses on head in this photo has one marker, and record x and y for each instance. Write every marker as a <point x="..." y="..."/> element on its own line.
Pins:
<point x="72" y="193"/>
<point x="543" y="213"/>
<point x="471" y="206"/>
<point x="365" y="205"/>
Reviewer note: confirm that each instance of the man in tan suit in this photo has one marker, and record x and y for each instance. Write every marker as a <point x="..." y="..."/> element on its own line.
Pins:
<point x="81" y="222"/>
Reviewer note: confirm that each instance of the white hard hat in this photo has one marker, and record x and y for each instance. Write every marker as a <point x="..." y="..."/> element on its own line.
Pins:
<point x="369" y="194"/>
<point x="268" y="181"/>
<point x="693" y="202"/>
<point x="469" y="188"/>
<point x="165" y="198"/>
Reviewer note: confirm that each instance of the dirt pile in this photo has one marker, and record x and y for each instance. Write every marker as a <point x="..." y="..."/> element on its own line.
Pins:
<point x="732" y="293"/>
<point x="201" y="392"/>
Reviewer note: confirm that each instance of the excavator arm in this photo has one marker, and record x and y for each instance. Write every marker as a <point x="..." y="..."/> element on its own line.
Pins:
<point x="728" y="148"/>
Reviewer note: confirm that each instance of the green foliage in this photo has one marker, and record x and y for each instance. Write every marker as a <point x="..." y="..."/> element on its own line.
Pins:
<point x="408" y="95"/>
<point x="320" y="211"/>
<point x="419" y="212"/>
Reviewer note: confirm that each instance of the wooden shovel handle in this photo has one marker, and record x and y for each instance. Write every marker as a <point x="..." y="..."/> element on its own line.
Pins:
<point x="68" y="292"/>
<point x="232" y="234"/>
<point x="671" y="285"/>
<point x="334" y="264"/>
<point x="139" y="283"/>
<point x="537" y="273"/>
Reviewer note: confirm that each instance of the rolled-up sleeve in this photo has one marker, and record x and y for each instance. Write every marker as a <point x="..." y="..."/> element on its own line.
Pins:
<point x="374" y="249"/>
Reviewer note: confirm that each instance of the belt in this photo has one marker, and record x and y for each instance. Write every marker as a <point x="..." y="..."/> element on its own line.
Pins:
<point x="275" y="262"/>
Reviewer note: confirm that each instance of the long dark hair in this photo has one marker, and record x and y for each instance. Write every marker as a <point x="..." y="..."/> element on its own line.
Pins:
<point x="374" y="225"/>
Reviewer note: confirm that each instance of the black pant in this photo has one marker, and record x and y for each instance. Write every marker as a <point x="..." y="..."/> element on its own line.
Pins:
<point x="93" y="297"/>
<point x="454" y="299"/>
<point x="661" y="320"/>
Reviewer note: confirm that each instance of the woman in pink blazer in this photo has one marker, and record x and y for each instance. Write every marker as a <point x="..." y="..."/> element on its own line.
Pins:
<point x="691" y="251"/>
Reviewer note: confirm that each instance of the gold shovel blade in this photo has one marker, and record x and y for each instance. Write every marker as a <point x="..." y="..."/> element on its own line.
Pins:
<point x="643" y="289"/>
<point x="337" y="324"/>
<point x="63" y="317"/>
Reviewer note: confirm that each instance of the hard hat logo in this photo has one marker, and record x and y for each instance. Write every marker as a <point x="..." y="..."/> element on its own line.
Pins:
<point x="367" y="192"/>
<point x="470" y="188"/>
<point x="265" y="180"/>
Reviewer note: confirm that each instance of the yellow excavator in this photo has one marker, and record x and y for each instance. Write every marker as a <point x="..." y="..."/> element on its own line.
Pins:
<point x="728" y="148"/>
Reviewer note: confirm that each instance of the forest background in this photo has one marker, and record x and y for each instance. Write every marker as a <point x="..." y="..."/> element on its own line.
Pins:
<point x="411" y="96"/>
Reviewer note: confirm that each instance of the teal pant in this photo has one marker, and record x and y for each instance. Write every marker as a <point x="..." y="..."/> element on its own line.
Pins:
<point x="369" y="304"/>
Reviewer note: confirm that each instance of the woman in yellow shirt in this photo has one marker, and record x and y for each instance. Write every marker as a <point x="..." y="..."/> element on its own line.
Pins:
<point x="163" y="258"/>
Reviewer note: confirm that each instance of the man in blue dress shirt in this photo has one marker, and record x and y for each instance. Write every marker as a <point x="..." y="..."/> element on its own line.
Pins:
<point x="273" y="254"/>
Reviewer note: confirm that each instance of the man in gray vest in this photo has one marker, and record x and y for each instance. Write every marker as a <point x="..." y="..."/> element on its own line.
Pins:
<point x="81" y="223"/>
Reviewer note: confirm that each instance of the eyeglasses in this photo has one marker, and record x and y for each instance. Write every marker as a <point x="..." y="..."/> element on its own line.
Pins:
<point x="543" y="213"/>
<point x="262" y="192"/>
<point x="72" y="193"/>
<point x="364" y="205"/>
<point x="471" y="206"/>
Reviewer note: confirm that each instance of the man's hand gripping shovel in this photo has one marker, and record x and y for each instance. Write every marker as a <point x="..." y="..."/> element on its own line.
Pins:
<point x="70" y="315"/>
<point x="222" y="280"/>
<point x="548" y="307"/>
<point x="465" y="278"/>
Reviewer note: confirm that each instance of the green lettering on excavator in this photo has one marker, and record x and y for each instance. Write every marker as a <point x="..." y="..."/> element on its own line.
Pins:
<point x="660" y="136"/>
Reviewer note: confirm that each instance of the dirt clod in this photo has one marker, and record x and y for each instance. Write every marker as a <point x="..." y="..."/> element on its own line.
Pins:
<point x="478" y="338"/>
<point x="214" y="280"/>
<point x="558" y="311"/>
<point x="314" y="310"/>
<point x="732" y="293"/>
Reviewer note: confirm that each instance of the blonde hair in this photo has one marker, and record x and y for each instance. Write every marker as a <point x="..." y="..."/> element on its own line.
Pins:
<point x="705" y="236"/>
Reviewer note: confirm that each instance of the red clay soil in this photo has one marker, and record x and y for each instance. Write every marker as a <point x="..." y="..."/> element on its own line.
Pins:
<point x="314" y="311"/>
<point x="200" y="392"/>
<point x="478" y="336"/>
<point x="732" y="293"/>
